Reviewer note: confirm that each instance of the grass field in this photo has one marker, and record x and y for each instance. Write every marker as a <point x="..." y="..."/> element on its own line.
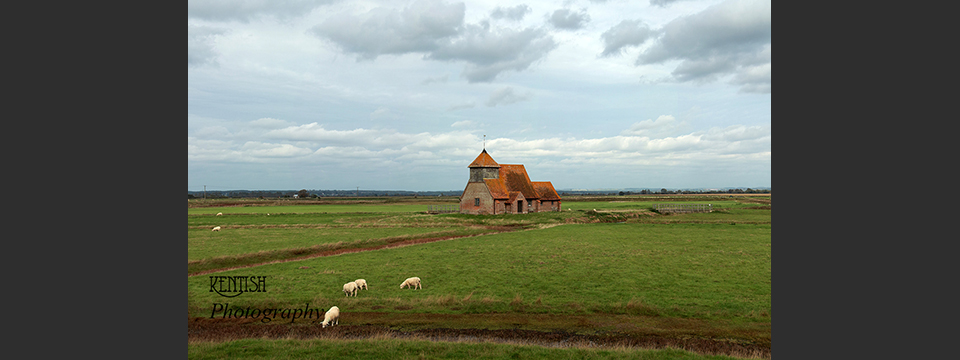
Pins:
<point x="379" y="349"/>
<point x="621" y="269"/>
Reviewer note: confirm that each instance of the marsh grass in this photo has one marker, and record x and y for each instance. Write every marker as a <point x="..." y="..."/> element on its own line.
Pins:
<point x="705" y="267"/>
<point x="709" y="271"/>
<point x="286" y="244"/>
<point x="385" y="346"/>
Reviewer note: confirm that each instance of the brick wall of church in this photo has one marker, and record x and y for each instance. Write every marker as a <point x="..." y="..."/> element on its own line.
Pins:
<point x="476" y="190"/>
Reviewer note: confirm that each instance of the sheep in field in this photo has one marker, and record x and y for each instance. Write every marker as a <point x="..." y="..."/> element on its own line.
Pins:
<point x="219" y="214"/>
<point x="216" y="228"/>
<point x="332" y="317"/>
<point x="413" y="282"/>
<point x="350" y="288"/>
<point x="361" y="284"/>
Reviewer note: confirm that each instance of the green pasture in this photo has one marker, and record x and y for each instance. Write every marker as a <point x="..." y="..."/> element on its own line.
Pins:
<point x="631" y="204"/>
<point x="707" y="271"/>
<point x="316" y="208"/>
<point x="209" y="221"/>
<point x="620" y="268"/>
<point x="379" y="349"/>
<point x="205" y="244"/>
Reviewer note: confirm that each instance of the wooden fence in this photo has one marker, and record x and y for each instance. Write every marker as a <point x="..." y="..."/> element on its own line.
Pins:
<point x="441" y="209"/>
<point x="682" y="208"/>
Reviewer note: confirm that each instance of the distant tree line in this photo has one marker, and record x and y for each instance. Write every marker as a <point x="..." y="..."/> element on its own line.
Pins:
<point x="311" y="194"/>
<point x="662" y="191"/>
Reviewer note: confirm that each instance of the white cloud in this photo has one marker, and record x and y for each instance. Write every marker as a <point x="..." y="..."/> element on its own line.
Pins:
<point x="256" y="149"/>
<point x="269" y="123"/>
<point x="347" y="151"/>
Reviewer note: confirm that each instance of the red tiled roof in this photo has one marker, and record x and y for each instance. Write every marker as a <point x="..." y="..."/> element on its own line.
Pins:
<point x="497" y="189"/>
<point x="515" y="178"/>
<point x="484" y="160"/>
<point x="513" y="196"/>
<point x="546" y="190"/>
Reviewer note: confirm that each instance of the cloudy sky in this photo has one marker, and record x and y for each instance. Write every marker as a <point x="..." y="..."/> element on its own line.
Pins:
<point x="402" y="95"/>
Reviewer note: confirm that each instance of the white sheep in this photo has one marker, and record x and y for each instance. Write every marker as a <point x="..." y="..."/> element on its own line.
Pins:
<point x="361" y="284"/>
<point x="350" y="288"/>
<point x="216" y="228"/>
<point x="331" y="317"/>
<point x="413" y="282"/>
<point x="219" y="214"/>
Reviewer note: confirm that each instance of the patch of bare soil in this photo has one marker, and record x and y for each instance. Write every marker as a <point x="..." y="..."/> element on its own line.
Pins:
<point x="204" y="329"/>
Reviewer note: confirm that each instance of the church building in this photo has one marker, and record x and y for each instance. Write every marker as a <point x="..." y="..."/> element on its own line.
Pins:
<point x="505" y="189"/>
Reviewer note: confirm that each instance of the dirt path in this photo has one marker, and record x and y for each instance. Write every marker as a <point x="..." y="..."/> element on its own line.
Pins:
<point x="356" y="250"/>
<point x="203" y="329"/>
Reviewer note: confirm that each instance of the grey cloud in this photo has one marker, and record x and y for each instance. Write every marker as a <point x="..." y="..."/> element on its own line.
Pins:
<point x="244" y="10"/>
<point x="515" y="13"/>
<point x="490" y="52"/>
<point x="437" y="30"/>
<point x="663" y="3"/>
<point x="569" y="20"/>
<point x="728" y="38"/>
<point x="704" y="70"/>
<point x="755" y="77"/>
<point x="200" y="45"/>
<point x="505" y="96"/>
<point x="382" y="31"/>
<point x="626" y="33"/>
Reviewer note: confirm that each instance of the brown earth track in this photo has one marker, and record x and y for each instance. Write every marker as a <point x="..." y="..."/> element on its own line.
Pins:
<point x="216" y="330"/>
<point x="500" y="229"/>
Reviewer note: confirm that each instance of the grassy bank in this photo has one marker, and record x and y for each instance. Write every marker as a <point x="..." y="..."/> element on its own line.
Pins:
<point x="390" y="348"/>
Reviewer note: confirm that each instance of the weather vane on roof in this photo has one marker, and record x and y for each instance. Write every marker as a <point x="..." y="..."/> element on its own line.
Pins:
<point x="484" y="142"/>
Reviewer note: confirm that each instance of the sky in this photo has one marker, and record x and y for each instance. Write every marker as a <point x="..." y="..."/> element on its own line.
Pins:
<point x="403" y="95"/>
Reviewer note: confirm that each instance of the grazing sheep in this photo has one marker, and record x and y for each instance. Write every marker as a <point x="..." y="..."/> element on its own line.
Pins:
<point x="216" y="228"/>
<point x="413" y="282"/>
<point x="350" y="288"/>
<point x="361" y="284"/>
<point x="219" y="214"/>
<point x="332" y="317"/>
